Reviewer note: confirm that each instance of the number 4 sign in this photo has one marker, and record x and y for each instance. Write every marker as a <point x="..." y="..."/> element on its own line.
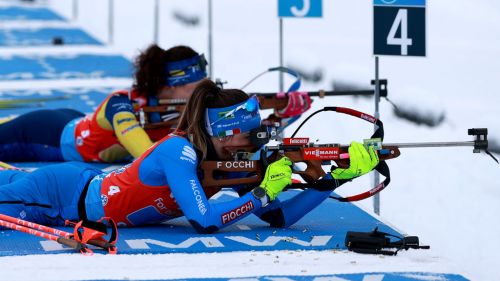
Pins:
<point x="399" y="27"/>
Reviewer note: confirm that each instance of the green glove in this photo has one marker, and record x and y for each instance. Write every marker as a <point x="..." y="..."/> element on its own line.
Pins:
<point x="361" y="162"/>
<point x="278" y="176"/>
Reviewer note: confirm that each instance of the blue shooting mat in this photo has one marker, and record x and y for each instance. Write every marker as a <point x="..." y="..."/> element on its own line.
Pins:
<point x="322" y="229"/>
<point x="75" y="66"/>
<point x="82" y="99"/>
<point x="45" y="37"/>
<point x="28" y="13"/>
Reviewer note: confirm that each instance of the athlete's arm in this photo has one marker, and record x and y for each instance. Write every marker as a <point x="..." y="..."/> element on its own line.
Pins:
<point x="120" y="113"/>
<point x="288" y="212"/>
<point x="285" y="213"/>
<point x="178" y="161"/>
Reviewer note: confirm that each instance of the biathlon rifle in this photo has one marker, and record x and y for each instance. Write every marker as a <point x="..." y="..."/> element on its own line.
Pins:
<point x="252" y="165"/>
<point x="29" y="102"/>
<point x="169" y="110"/>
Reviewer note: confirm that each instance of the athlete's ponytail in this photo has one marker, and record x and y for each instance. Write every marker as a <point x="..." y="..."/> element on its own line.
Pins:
<point x="150" y="65"/>
<point x="206" y="95"/>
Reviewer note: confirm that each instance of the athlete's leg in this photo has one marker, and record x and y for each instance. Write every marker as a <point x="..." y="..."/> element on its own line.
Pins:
<point x="35" y="136"/>
<point x="48" y="195"/>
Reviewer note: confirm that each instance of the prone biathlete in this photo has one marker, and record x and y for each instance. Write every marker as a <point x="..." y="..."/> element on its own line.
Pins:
<point x="163" y="183"/>
<point x="111" y="133"/>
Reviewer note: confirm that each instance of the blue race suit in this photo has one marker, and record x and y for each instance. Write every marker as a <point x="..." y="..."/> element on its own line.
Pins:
<point x="160" y="185"/>
<point x="48" y="195"/>
<point x="111" y="134"/>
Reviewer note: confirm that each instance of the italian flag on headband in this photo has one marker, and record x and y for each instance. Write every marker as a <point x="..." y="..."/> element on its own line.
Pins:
<point x="230" y="132"/>
<point x="232" y="120"/>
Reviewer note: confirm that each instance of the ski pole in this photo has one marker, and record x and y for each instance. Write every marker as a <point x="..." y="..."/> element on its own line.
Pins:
<point x="67" y="235"/>
<point x="82" y="248"/>
<point x="36" y="226"/>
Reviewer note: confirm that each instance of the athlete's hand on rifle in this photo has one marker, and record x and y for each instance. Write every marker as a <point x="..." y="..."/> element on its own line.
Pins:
<point x="361" y="162"/>
<point x="278" y="176"/>
<point x="298" y="103"/>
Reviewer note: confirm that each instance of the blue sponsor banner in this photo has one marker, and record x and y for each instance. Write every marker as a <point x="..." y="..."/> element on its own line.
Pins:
<point x="81" y="66"/>
<point x="45" y="37"/>
<point x="373" y="276"/>
<point x="26" y="13"/>
<point x="412" y="3"/>
<point x="385" y="276"/>
<point x="300" y="8"/>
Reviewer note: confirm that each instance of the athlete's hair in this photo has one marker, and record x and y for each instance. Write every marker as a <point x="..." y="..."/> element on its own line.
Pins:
<point x="206" y="95"/>
<point x="151" y="73"/>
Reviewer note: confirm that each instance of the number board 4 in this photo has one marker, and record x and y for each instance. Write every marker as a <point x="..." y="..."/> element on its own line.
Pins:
<point x="399" y="27"/>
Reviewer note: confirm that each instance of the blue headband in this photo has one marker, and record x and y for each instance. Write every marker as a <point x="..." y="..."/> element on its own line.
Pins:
<point x="186" y="71"/>
<point x="232" y="120"/>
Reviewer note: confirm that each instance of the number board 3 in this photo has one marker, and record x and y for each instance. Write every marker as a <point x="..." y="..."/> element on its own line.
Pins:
<point x="300" y="8"/>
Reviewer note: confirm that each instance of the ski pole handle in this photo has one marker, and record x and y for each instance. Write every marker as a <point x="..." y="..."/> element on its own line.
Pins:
<point x="74" y="245"/>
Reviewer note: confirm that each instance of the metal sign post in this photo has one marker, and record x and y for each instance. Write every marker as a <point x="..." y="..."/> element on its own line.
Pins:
<point x="376" y="175"/>
<point x="281" y="74"/>
<point x="210" y="54"/>
<point x="295" y="9"/>
<point x="110" y="22"/>
<point x="398" y="29"/>
<point x="75" y="10"/>
<point x="156" y="32"/>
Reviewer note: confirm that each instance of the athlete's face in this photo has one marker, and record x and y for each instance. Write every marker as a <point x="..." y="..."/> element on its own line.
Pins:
<point x="222" y="145"/>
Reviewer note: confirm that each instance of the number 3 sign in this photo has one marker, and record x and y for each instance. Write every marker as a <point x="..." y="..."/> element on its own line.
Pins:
<point x="300" y="8"/>
<point x="399" y="27"/>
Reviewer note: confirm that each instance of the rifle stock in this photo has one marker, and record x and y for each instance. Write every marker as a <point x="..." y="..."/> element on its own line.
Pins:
<point x="252" y="171"/>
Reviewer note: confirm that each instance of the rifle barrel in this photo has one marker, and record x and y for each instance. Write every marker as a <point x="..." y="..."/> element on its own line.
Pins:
<point x="320" y="94"/>
<point x="431" y="144"/>
<point x="326" y="93"/>
<point x="399" y="145"/>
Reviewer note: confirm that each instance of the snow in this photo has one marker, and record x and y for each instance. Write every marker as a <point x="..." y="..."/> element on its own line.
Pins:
<point x="449" y="197"/>
<point x="239" y="264"/>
